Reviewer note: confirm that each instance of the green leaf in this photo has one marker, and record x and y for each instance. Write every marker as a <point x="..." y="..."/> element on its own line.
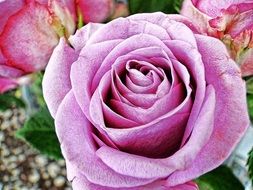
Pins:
<point x="144" y="6"/>
<point x="249" y="84"/>
<point x="250" y="165"/>
<point x="39" y="132"/>
<point x="250" y="106"/>
<point x="9" y="100"/>
<point x="221" y="178"/>
<point x="36" y="89"/>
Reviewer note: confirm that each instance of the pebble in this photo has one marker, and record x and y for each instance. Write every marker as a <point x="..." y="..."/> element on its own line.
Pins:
<point x="59" y="181"/>
<point x="41" y="160"/>
<point x="21" y="167"/>
<point x="1" y="136"/>
<point x="34" y="177"/>
<point x="53" y="170"/>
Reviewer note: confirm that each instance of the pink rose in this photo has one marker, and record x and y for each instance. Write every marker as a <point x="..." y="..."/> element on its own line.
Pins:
<point x="144" y="103"/>
<point x="29" y="31"/>
<point x="231" y="21"/>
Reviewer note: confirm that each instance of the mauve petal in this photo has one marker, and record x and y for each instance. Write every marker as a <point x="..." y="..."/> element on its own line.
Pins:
<point x="178" y="161"/>
<point x="10" y="72"/>
<point x="113" y="119"/>
<point x="191" y="58"/>
<point x="172" y="27"/>
<point x="96" y="11"/>
<point x="28" y="49"/>
<point x="186" y="186"/>
<point x="81" y="183"/>
<point x="7" y="9"/>
<point x="128" y="28"/>
<point x="224" y="75"/>
<point x="56" y="81"/>
<point x="78" y="148"/>
<point x="7" y="84"/>
<point x="135" y="139"/>
<point x="159" y="108"/>
<point x="127" y="46"/>
<point x="84" y="69"/>
<point x="82" y="35"/>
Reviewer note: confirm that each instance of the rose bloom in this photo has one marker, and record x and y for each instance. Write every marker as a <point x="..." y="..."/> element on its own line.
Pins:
<point x="144" y="102"/>
<point x="231" y="21"/>
<point x="29" y="31"/>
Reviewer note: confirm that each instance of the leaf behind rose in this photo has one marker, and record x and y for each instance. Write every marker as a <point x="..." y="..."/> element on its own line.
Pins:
<point x="39" y="132"/>
<point x="144" y="6"/>
<point x="221" y="178"/>
<point x="250" y="164"/>
<point x="9" y="100"/>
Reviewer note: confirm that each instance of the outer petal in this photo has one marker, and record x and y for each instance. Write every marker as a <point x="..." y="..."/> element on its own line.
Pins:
<point x="7" y="84"/>
<point x="96" y="11"/>
<point x="230" y="91"/>
<point x="28" y="38"/>
<point x="213" y="7"/>
<point x="78" y="41"/>
<point x="201" y="19"/>
<point x="7" y="9"/>
<point x="65" y="11"/>
<point x="56" y="82"/>
<point x="246" y="63"/>
<point x="10" y="72"/>
<point x="78" y="147"/>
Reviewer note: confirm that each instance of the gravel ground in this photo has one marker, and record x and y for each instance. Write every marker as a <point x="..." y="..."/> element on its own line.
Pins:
<point x="21" y="167"/>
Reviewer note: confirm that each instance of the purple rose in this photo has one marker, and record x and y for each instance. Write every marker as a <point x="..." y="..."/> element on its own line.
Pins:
<point x="144" y="103"/>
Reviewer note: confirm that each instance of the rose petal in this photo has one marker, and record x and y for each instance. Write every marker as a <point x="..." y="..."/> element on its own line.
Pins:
<point x="82" y="73"/>
<point x="56" y="81"/>
<point x="28" y="49"/>
<point x="171" y="26"/>
<point x="79" y="148"/>
<point x="96" y="11"/>
<point x="10" y="72"/>
<point x="247" y="63"/>
<point x="81" y="36"/>
<point x="128" y="28"/>
<point x="7" y="84"/>
<point x="224" y="75"/>
<point x="7" y="9"/>
<point x="189" y="10"/>
<point x="191" y="58"/>
<point x="129" y="164"/>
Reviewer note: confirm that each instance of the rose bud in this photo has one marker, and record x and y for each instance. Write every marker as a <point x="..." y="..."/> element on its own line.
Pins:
<point x="230" y="21"/>
<point x="29" y="31"/>
<point x="138" y="106"/>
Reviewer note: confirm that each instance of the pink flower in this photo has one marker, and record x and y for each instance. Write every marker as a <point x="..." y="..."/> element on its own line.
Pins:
<point x="231" y="21"/>
<point x="138" y="106"/>
<point x="29" y="31"/>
